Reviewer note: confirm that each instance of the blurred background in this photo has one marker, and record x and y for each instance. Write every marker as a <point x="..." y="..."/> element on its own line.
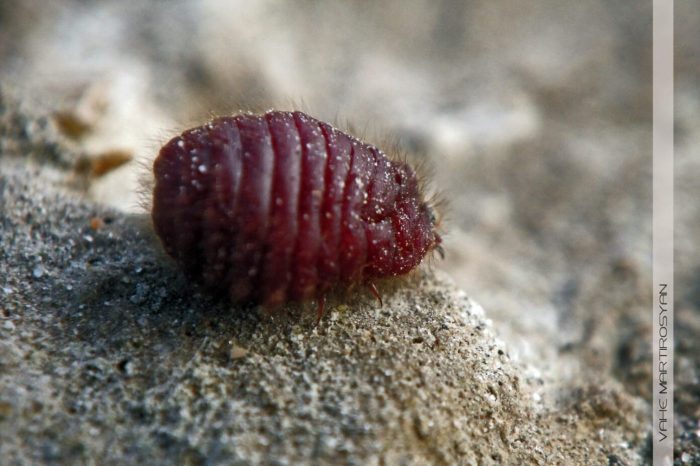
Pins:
<point x="533" y="116"/>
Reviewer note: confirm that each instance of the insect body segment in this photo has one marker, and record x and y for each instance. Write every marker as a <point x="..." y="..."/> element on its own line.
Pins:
<point x="282" y="207"/>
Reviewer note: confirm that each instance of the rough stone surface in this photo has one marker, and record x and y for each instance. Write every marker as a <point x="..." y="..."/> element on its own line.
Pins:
<point x="109" y="356"/>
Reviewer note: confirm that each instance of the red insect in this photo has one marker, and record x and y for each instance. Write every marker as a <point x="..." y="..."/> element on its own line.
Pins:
<point x="283" y="207"/>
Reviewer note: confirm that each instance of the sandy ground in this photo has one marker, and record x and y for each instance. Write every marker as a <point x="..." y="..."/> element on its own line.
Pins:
<point x="533" y="117"/>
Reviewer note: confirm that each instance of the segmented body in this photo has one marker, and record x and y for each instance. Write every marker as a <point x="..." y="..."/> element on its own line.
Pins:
<point x="283" y="207"/>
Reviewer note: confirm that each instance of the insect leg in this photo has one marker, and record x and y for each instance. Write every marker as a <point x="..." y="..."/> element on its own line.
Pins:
<point x="321" y="305"/>
<point x="375" y="292"/>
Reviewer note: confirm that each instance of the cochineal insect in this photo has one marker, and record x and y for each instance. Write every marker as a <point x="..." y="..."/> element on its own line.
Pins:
<point x="283" y="207"/>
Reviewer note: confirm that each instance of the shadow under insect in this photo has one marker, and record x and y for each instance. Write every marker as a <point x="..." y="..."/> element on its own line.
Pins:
<point x="125" y="294"/>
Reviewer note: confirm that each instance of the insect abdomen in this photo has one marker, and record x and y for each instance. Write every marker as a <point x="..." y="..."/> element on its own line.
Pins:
<point x="283" y="207"/>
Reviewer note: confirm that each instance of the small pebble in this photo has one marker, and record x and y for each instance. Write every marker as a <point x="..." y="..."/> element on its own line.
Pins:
<point x="96" y="223"/>
<point x="8" y="325"/>
<point x="238" y="352"/>
<point x="128" y="368"/>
